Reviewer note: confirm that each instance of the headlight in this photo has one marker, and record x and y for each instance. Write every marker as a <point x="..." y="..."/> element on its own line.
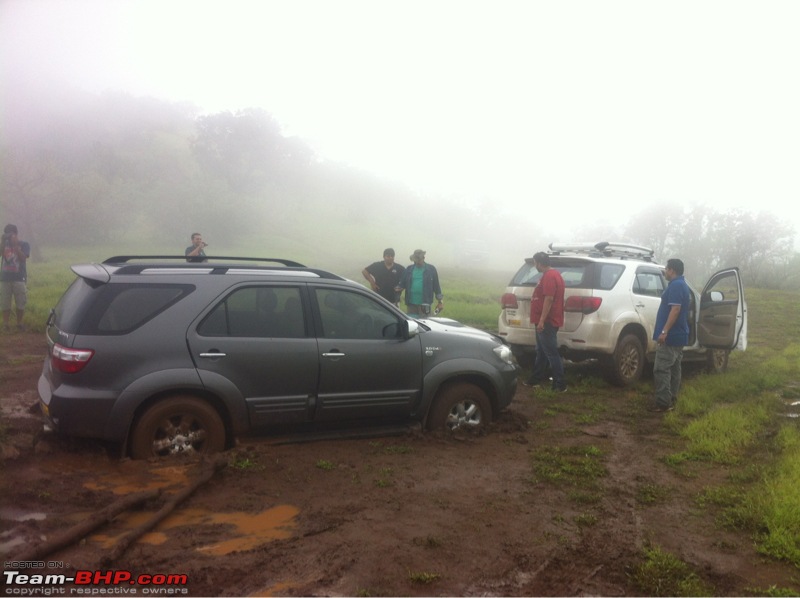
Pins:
<point x="504" y="353"/>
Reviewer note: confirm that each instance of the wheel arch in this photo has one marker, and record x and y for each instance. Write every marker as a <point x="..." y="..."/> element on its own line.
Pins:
<point x="638" y="331"/>
<point x="216" y="402"/>
<point x="149" y="390"/>
<point x="447" y="379"/>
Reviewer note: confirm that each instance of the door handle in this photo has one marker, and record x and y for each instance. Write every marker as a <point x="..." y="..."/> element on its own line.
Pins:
<point x="337" y="354"/>
<point x="213" y="355"/>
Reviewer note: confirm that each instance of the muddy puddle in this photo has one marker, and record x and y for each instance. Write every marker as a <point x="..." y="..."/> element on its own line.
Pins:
<point x="241" y="531"/>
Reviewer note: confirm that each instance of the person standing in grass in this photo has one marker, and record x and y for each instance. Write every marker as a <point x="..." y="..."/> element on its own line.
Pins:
<point x="384" y="276"/>
<point x="547" y="314"/>
<point x="421" y="284"/>
<point x="13" y="276"/>
<point x="672" y="335"/>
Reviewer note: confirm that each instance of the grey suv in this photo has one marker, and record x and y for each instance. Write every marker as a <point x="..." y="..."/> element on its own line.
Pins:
<point x="165" y="357"/>
<point x="611" y="298"/>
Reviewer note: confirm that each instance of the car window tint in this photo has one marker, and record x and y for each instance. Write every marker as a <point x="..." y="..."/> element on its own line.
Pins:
<point x="122" y="308"/>
<point x="267" y="312"/>
<point x="354" y="316"/>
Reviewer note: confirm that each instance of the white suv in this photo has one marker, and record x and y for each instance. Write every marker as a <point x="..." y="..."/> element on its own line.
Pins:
<point x="612" y="295"/>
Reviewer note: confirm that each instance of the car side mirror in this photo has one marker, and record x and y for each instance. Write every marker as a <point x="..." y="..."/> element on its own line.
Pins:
<point x="411" y="328"/>
<point x="716" y="296"/>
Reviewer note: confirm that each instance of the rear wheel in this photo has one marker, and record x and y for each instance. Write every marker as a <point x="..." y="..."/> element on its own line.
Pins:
<point x="717" y="361"/>
<point x="461" y="407"/>
<point x="625" y="366"/>
<point x="178" y="425"/>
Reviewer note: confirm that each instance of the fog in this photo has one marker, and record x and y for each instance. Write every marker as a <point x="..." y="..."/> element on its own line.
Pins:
<point x="478" y="131"/>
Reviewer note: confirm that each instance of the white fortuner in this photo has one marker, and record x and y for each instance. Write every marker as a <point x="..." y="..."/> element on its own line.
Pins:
<point x="612" y="295"/>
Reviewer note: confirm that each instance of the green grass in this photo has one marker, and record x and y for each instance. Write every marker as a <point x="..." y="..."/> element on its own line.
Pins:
<point x="664" y="574"/>
<point x="422" y="577"/>
<point x="574" y="466"/>
<point x="739" y="419"/>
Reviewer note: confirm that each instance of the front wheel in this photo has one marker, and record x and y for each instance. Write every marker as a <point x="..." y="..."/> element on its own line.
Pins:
<point x="627" y="363"/>
<point x="461" y="407"/>
<point x="178" y="425"/>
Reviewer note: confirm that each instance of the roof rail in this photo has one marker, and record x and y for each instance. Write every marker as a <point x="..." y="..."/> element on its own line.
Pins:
<point x="606" y="249"/>
<point x="223" y="265"/>
<point x="122" y="259"/>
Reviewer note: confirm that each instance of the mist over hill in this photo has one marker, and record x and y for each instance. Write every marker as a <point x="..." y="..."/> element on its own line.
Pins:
<point x="79" y="169"/>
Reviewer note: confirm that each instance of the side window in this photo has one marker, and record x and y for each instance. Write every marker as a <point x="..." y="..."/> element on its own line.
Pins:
<point x="573" y="275"/>
<point x="121" y="308"/>
<point x="609" y="275"/>
<point x="262" y="312"/>
<point x="724" y="288"/>
<point x="354" y="316"/>
<point x="650" y="284"/>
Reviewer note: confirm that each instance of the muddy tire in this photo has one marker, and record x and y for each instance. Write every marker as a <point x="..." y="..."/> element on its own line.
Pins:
<point x="461" y="407"/>
<point x="625" y="366"/>
<point x="717" y="361"/>
<point x="175" y="426"/>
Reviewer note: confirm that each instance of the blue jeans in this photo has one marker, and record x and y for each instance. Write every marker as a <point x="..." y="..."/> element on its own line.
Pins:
<point x="547" y="353"/>
<point x="667" y="374"/>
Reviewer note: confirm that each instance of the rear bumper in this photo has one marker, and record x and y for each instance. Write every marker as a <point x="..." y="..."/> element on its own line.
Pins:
<point x="516" y="336"/>
<point x="76" y="412"/>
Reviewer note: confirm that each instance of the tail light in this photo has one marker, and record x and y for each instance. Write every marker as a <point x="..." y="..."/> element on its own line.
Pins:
<point x="584" y="305"/>
<point x="509" y="301"/>
<point x="69" y="361"/>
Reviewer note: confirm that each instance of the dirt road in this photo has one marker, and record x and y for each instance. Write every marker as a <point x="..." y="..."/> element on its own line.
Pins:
<point x="558" y="499"/>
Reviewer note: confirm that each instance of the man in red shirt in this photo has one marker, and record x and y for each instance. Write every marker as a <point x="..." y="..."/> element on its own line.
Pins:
<point x="547" y="315"/>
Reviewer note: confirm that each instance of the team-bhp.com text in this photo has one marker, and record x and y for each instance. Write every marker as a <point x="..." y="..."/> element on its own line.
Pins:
<point x="97" y="583"/>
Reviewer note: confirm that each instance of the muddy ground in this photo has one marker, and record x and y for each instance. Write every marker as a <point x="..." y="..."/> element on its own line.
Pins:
<point x="389" y="513"/>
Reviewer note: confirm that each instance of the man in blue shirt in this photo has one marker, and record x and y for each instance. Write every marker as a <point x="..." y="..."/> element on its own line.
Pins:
<point x="672" y="334"/>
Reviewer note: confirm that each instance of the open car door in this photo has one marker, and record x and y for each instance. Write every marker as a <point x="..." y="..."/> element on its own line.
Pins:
<point x="722" y="317"/>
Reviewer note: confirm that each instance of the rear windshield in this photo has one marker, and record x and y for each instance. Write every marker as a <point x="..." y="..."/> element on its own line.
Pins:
<point x="113" y="308"/>
<point x="577" y="274"/>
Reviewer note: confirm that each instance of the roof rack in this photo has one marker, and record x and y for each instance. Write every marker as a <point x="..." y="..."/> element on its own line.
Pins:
<point x="224" y="265"/>
<point x="606" y="249"/>
<point x="117" y="259"/>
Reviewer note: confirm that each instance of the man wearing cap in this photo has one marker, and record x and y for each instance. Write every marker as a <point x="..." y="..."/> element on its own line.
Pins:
<point x="13" y="275"/>
<point x="421" y="284"/>
<point x="384" y="276"/>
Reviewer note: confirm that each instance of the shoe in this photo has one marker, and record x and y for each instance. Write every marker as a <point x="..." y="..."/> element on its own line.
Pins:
<point x="531" y="384"/>
<point x="660" y="409"/>
<point x="559" y="390"/>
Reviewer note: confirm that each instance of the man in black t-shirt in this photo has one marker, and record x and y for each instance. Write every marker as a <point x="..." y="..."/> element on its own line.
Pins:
<point x="384" y="276"/>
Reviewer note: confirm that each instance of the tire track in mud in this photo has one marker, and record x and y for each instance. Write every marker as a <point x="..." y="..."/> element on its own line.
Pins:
<point x="595" y="560"/>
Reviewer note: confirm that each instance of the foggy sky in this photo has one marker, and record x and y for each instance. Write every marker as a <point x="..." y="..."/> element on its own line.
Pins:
<point x="576" y="112"/>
